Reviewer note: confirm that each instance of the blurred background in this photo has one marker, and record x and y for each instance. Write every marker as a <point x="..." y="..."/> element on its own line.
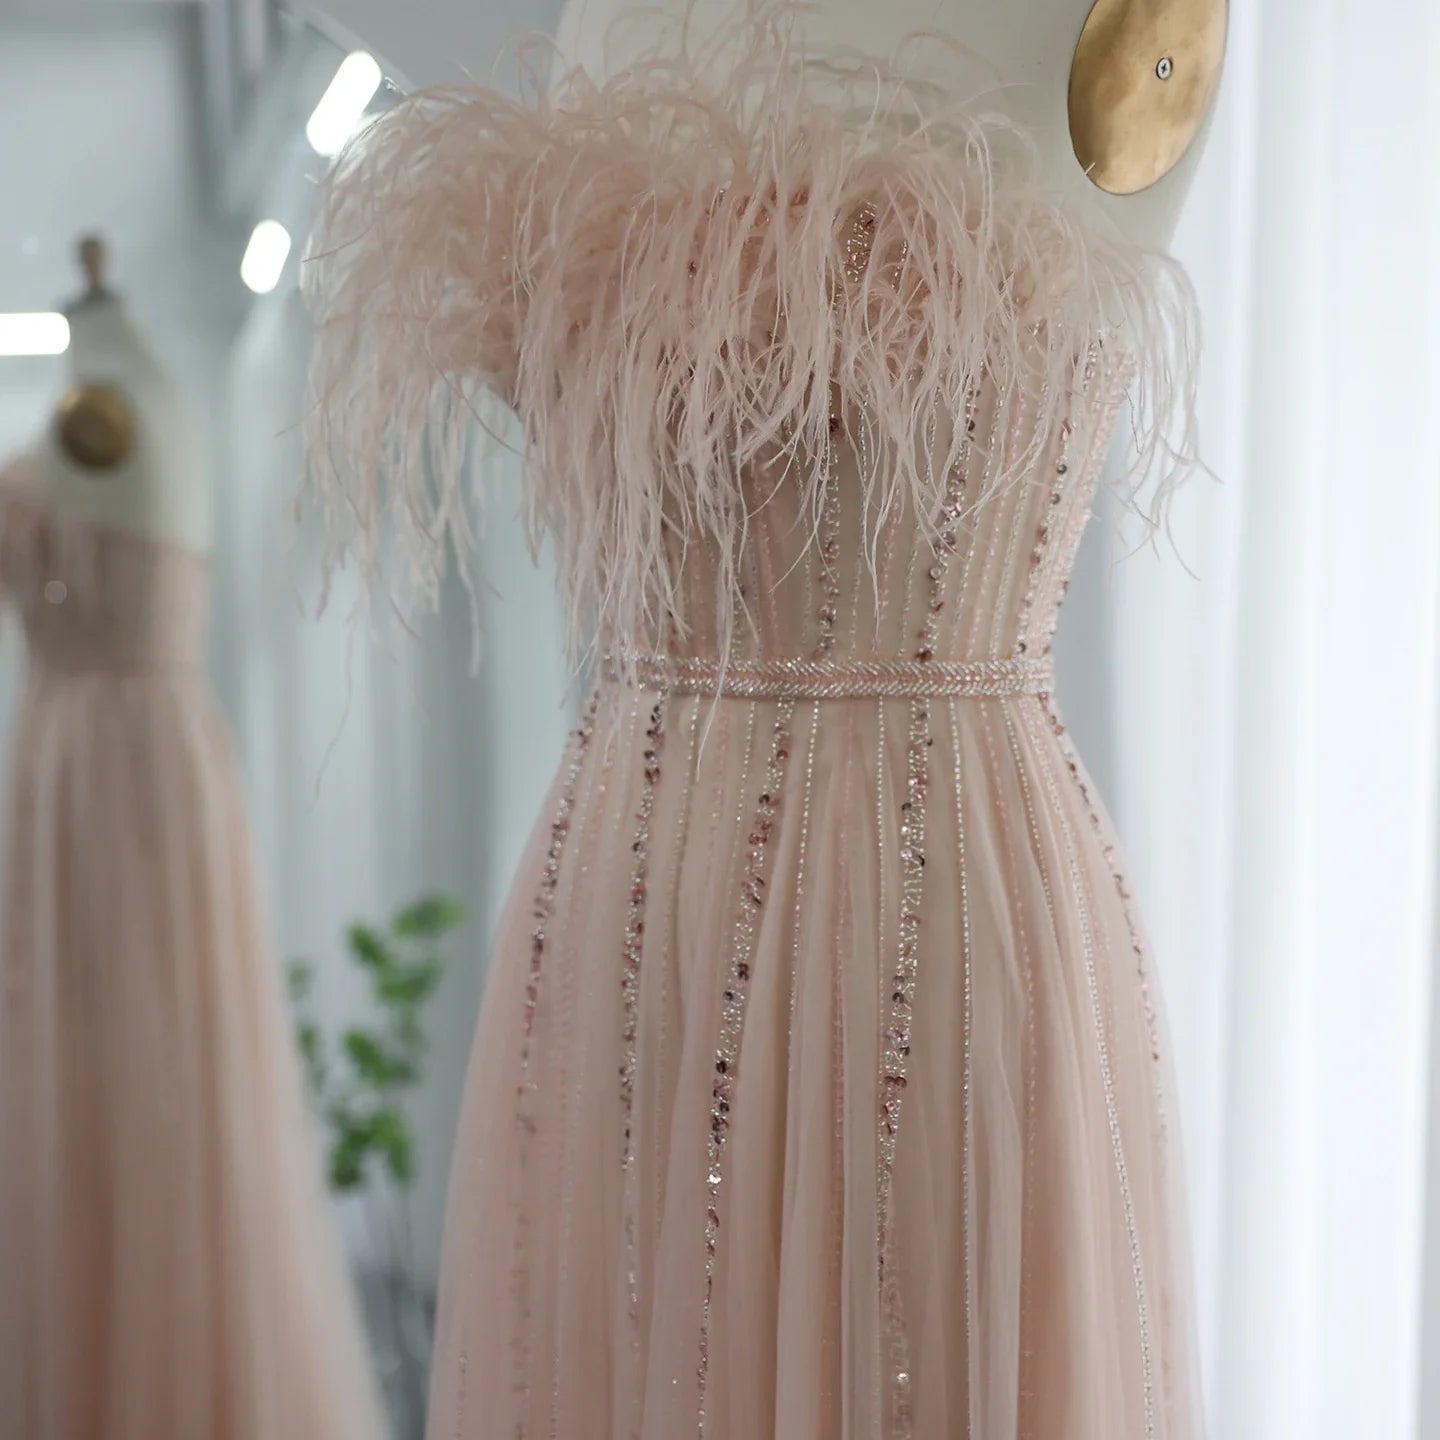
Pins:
<point x="1255" y="693"/>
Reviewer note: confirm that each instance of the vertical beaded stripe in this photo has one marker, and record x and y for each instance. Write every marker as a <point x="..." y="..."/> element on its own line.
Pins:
<point x="895" y="1046"/>
<point x="1079" y="894"/>
<point x="1122" y="888"/>
<point x="1027" y="1393"/>
<point x="542" y="912"/>
<point x="733" y="1003"/>
<point x="737" y="984"/>
<point x="630" y="1025"/>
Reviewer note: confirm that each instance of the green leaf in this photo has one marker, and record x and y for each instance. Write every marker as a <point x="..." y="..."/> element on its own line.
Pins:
<point x="299" y="978"/>
<point x="309" y="1038"/>
<point x="347" y="1162"/>
<point x="351" y="1147"/>
<point x="433" y="915"/>
<point x="409" y="984"/>
<point x="368" y="948"/>
<point x="391" y="1136"/>
<point x="312" y="1052"/>
<point x="374" y="1062"/>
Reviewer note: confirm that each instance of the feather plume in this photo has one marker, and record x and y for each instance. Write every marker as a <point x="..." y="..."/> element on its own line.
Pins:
<point x="675" y="275"/>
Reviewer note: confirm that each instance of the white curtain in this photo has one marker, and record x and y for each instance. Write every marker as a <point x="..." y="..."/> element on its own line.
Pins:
<point x="1269" y="721"/>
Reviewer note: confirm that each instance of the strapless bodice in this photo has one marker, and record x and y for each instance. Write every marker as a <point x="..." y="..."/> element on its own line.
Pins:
<point x="773" y="357"/>
<point x="866" y="589"/>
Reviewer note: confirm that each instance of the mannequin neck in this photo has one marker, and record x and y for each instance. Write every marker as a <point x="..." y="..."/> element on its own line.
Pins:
<point x="162" y="490"/>
<point x="105" y="342"/>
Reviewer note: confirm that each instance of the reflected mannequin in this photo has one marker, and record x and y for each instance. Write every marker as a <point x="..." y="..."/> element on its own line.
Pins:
<point x="159" y="487"/>
<point x="168" y="1264"/>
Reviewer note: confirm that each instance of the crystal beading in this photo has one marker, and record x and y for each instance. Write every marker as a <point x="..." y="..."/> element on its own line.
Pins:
<point x="542" y="912"/>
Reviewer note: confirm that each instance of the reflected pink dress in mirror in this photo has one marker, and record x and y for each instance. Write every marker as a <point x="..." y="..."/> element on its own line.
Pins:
<point x="168" y="1269"/>
<point x="819" y="1088"/>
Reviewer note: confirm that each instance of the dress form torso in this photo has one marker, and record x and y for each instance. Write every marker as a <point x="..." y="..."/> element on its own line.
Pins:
<point x="160" y="490"/>
<point x="1013" y="60"/>
<point x="1020" y="55"/>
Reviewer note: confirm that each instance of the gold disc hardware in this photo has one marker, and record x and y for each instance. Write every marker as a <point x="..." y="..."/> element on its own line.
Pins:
<point x="1141" y="82"/>
<point x="95" y="426"/>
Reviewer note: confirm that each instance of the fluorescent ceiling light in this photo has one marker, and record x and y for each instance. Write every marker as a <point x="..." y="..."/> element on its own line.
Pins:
<point x="343" y="103"/>
<point x="47" y="333"/>
<point x="265" y="256"/>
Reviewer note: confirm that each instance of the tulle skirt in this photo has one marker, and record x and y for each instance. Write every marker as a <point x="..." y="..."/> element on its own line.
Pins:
<point x="818" y="1094"/>
<point x="167" y="1267"/>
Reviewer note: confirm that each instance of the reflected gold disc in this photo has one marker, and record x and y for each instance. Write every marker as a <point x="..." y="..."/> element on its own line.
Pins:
<point x="95" y="426"/>
<point x="1143" y="76"/>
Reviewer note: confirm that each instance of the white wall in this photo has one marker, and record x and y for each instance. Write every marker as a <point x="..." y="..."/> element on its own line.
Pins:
<point x="431" y="42"/>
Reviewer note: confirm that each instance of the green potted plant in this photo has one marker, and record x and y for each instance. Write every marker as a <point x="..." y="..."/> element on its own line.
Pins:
<point x="362" y="1081"/>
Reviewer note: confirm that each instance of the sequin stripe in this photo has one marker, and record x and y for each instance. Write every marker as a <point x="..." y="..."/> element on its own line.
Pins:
<point x="829" y="558"/>
<point x="1072" y="487"/>
<point x="572" y="1110"/>
<point x="1043" y="529"/>
<point x="805" y="795"/>
<point x="892" y="1330"/>
<point x="661" y="1033"/>
<point x="826" y="581"/>
<point x="995" y="444"/>
<point x="1079" y="513"/>
<point x="948" y="538"/>
<point x="542" y="912"/>
<point x="864" y="459"/>
<point x="1079" y="890"/>
<point x="967" y="1156"/>
<point x="895" y="1050"/>
<point x="841" y="944"/>
<point x="917" y="547"/>
<point x="1027" y="1201"/>
<point x="1113" y="862"/>
<point x="630" y="1026"/>
<point x="895" y="1061"/>
<point x="1000" y="604"/>
<point x="734" y="1000"/>
<point x="731" y="1027"/>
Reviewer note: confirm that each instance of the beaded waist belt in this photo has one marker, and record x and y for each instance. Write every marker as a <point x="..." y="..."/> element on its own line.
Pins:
<point x="834" y="679"/>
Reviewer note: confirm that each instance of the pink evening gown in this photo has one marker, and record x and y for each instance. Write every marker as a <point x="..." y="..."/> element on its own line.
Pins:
<point x="167" y="1265"/>
<point x="819" y="1087"/>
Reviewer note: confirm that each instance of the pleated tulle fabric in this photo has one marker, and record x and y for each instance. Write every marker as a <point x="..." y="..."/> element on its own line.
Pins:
<point x="167" y="1265"/>
<point x="1039" y="1294"/>
<point x="819" y="1089"/>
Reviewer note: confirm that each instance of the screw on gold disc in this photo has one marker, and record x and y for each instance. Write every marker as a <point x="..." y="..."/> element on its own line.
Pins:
<point x="95" y="426"/>
<point x="1143" y="76"/>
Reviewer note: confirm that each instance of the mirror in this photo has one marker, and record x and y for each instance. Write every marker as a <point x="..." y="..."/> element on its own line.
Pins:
<point x="377" y="769"/>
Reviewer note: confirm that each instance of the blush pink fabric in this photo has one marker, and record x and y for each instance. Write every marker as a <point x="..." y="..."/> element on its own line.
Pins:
<point x="807" y="922"/>
<point x="819" y="1089"/>
<point x="168" y="1269"/>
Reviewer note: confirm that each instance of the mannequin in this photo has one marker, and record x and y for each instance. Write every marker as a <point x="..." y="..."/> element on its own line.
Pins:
<point x="1014" y="58"/>
<point x="811" y="377"/>
<point x="122" y="448"/>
